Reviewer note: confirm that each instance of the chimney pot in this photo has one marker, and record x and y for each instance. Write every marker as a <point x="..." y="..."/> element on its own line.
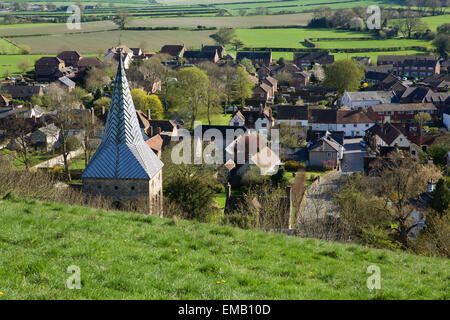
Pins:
<point x="228" y="191"/>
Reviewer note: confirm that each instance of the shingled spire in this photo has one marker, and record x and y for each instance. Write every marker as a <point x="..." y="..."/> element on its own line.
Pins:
<point x="122" y="154"/>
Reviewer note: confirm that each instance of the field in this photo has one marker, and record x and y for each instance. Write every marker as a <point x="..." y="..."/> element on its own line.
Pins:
<point x="53" y="28"/>
<point x="7" y="47"/>
<point x="290" y="38"/>
<point x="8" y="63"/>
<point x="388" y="43"/>
<point x="93" y="42"/>
<point x="300" y="19"/>
<point x="434" y="22"/>
<point x="131" y="256"/>
<point x="373" y="55"/>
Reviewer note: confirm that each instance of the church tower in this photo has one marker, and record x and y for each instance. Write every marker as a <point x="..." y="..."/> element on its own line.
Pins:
<point x="124" y="168"/>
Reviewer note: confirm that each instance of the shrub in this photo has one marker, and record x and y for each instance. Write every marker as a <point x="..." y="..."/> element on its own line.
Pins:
<point x="292" y="165"/>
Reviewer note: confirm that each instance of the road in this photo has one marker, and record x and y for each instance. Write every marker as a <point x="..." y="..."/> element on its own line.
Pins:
<point x="354" y="154"/>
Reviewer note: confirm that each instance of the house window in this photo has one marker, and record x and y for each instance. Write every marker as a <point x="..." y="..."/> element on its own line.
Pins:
<point x="328" y="155"/>
<point x="367" y="125"/>
<point x="263" y="125"/>
<point x="236" y="124"/>
<point x="355" y="125"/>
<point x="343" y="126"/>
<point x="132" y="188"/>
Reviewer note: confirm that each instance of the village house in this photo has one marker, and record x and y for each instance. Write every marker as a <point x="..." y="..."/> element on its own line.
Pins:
<point x="51" y="68"/>
<point x="175" y="51"/>
<point x="70" y="58"/>
<point x="272" y="83"/>
<point x="402" y="112"/>
<point x="325" y="153"/>
<point x="292" y="115"/>
<point x="419" y="66"/>
<point x="302" y="59"/>
<point x="201" y="56"/>
<point x="124" y="167"/>
<point x="221" y="52"/>
<point x="366" y="99"/>
<point x="352" y="122"/>
<point x="260" y="120"/>
<point x="446" y="118"/>
<point x="263" y="92"/>
<point x="425" y="95"/>
<point x="437" y="82"/>
<point x="257" y="58"/>
<point x="66" y="83"/>
<point x="23" y="92"/>
<point x="388" y="135"/>
<point x="45" y="138"/>
<point x="114" y="54"/>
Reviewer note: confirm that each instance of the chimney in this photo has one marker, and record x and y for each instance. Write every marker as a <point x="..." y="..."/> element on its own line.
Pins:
<point x="228" y="191"/>
<point x="148" y="115"/>
<point x="431" y="185"/>
<point x="261" y="109"/>
<point x="158" y="130"/>
<point x="103" y="110"/>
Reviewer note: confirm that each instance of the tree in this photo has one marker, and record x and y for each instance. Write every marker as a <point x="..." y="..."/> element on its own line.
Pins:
<point x="243" y="86"/>
<point x="21" y="128"/>
<point x="155" y="106"/>
<point x="147" y="74"/>
<point x="437" y="152"/>
<point x="422" y="118"/>
<point x="24" y="65"/>
<point x="248" y="64"/>
<point x="442" y="44"/>
<point x="192" y="86"/>
<point x="237" y="44"/>
<point x="434" y="6"/>
<point x="444" y="28"/>
<point x="97" y="79"/>
<point x="382" y="207"/>
<point x="25" y="49"/>
<point x="344" y="75"/>
<point x="440" y="197"/>
<point x="410" y="24"/>
<point x="122" y="17"/>
<point x="224" y="36"/>
<point x="216" y="88"/>
<point x="103" y="102"/>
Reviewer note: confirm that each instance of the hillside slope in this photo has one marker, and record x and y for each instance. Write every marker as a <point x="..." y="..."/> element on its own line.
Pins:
<point x="130" y="256"/>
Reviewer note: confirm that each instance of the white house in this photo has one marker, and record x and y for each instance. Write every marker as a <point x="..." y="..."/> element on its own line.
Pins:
<point x="127" y="55"/>
<point x="366" y="99"/>
<point x="260" y="120"/>
<point x="353" y="123"/>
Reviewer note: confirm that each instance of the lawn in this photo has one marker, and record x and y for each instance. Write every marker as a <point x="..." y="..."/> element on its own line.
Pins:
<point x="290" y="37"/>
<point x="436" y="21"/>
<point x="131" y="256"/>
<point x="7" y="47"/>
<point x="217" y="119"/>
<point x="34" y="158"/>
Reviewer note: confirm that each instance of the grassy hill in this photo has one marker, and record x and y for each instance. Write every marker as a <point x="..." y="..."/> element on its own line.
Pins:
<point x="131" y="256"/>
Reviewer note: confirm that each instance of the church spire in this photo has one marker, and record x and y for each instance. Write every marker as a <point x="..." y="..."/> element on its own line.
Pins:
<point x="123" y="154"/>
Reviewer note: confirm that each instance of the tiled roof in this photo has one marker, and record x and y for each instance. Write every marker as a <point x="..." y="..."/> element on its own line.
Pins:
<point x="382" y="96"/>
<point x="325" y="144"/>
<point x="353" y="116"/>
<point x="292" y="112"/>
<point x="172" y="50"/>
<point x="122" y="154"/>
<point x="387" y="132"/>
<point x="403" y="107"/>
<point x="316" y="115"/>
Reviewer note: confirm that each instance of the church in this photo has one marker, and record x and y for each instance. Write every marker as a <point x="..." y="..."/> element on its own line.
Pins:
<point x="124" y="168"/>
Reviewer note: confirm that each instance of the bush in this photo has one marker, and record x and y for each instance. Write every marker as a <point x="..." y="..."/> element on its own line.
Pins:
<point x="291" y="165"/>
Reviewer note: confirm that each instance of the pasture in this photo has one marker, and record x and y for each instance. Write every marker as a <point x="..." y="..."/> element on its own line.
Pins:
<point x="387" y="43"/>
<point x="290" y="37"/>
<point x="8" y="63"/>
<point x="7" y="47"/>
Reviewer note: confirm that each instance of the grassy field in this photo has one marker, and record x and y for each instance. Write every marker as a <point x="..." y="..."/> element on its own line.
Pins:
<point x="8" y="63"/>
<point x="130" y="256"/>
<point x="388" y="43"/>
<point x="374" y="55"/>
<point x="7" y="47"/>
<point x="93" y="42"/>
<point x="433" y="22"/>
<point x="289" y="38"/>
<point x="217" y="119"/>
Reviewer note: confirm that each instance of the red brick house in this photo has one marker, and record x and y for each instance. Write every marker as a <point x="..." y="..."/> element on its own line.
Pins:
<point x="402" y="112"/>
<point x="70" y="58"/>
<point x="50" y="68"/>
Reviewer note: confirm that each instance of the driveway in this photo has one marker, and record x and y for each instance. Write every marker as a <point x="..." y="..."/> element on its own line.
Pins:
<point x="354" y="154"/>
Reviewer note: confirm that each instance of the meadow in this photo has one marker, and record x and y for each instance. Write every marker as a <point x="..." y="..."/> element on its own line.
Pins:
<point x="387" y="43"/>
<point x="130" y="256"/>
<point x="290" y="37"/>
<point x="8" y="63"/>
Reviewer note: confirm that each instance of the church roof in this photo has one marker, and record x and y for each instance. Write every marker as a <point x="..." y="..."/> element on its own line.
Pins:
<point x="123" y="154"/>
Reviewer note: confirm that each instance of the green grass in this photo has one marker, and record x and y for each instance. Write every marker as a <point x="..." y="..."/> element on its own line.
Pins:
<point x="7" y="47"/>
<point x="217" y="119"/>
<point x="130" y="256"/>
<point x="289" y="37"/>
<point x="221" y="199"/>
<point x="10" y="63"/>
<point x="387" y="43"/>
<point x="436" y="21"/>
<point x="34" y="158"/>
<point x="374" y="55"/>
